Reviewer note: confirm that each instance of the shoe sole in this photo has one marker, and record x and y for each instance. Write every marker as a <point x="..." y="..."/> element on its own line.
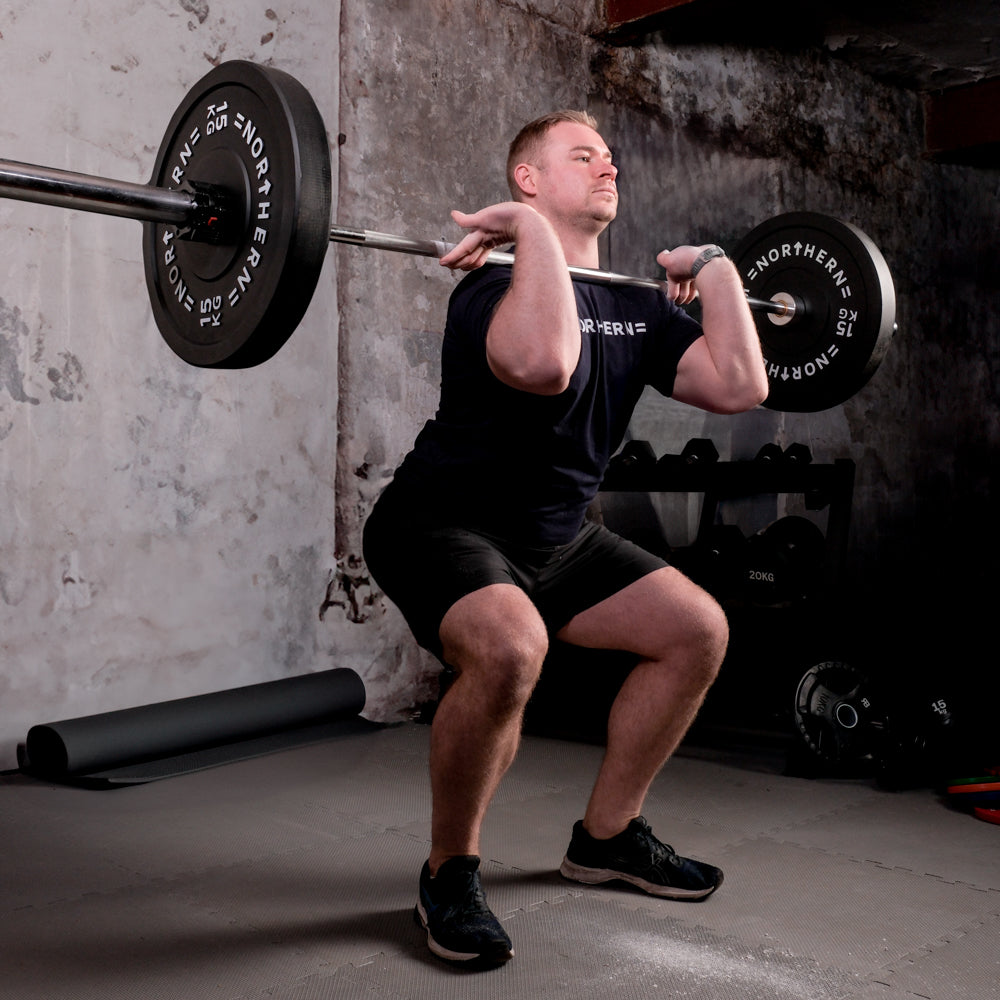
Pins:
<point x="486" y="960"/>
<point x="597" y="876"/>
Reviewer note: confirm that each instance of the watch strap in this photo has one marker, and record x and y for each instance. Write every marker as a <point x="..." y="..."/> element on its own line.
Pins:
<point x="709" y="253"/>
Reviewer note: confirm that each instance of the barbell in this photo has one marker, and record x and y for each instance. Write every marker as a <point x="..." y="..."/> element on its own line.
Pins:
<point x="237" y="222"/>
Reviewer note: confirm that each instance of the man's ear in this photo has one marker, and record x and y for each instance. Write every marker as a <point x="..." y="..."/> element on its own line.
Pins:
<point x="525" y="178"/>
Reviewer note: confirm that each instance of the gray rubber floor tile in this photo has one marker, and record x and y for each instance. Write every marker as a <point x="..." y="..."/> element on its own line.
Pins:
<point x="857" y="916"/>
<point x="914" y="830"/>
<point x="584" y="947"/>
<point x="746" y="801"/>
<point x="294" y="876"/>
<point x="132" y="943"/>
<point x="962" y="964"/>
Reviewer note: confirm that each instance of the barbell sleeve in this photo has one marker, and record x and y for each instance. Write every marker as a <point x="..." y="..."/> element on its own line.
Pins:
<point x="87" y="193"/>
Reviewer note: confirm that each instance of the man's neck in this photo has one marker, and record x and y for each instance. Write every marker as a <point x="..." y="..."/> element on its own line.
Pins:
<point x="579" y="246"/>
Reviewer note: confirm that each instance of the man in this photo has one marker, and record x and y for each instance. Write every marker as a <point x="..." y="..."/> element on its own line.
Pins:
<point x="481" y="540"/>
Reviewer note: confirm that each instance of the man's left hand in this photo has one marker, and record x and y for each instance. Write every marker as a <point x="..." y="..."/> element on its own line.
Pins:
<point x="678" y="263"/>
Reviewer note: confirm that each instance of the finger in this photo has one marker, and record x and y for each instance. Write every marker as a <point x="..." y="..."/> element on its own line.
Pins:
<point x="464" y="220"/>
<point x="467" y="255"/>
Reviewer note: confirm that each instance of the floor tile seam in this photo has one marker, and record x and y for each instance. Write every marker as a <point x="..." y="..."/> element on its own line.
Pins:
<point x="941" y="943"/>
<point x="92" y="894"/>
<point x="341" y="970"/>
<point x="369" y="827"/>
<point x="376" y="830"/>
<point x="832" y="853"/>
<point x="820" y="817"/>
<point x="739" y="834"/>
<point x="324" y="971"/>
<point x="897" y="991"/>
<point x="548" y="791"/>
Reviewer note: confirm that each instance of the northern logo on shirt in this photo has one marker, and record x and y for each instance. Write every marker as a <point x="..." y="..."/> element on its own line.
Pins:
<point x="612" y="328"/>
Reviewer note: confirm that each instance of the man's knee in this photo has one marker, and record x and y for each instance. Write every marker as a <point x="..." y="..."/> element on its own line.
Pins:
<point x="692" y="633"/>
<point x="500" y="643"/>
<point x="706" y="634"/>
<point x="505" y="671"/>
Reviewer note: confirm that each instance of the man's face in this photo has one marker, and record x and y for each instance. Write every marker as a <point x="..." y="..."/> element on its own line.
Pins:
<point x="575" y="178"/>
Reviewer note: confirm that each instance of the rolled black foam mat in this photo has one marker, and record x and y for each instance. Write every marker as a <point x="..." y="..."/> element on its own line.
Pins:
<point x="134" y="745"/>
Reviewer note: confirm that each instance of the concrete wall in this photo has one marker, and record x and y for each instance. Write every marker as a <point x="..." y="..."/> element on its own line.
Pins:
<point x="712" y="140"/>
<point x="164" y="530"/>
<point x="167" y="531"/>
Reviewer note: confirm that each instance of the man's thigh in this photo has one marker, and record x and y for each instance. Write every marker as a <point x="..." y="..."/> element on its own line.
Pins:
<point x="598" y="565"/>
<point x="651" y="614"/>
<point x="425" y="569"/>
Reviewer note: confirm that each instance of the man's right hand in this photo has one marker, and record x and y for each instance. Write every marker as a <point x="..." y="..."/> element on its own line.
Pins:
<point x="488" y="228"/>
<point x="533" y="340"/>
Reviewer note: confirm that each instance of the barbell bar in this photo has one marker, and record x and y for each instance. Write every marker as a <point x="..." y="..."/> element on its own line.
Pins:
<point x="200" y="215"/>
<point x="236" y="221"/>
<point x="437" y="248"/>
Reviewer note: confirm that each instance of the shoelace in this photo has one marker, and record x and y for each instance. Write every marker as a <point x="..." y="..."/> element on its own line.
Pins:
<point x="467" y="890"/>
<point x="660" y="852"/>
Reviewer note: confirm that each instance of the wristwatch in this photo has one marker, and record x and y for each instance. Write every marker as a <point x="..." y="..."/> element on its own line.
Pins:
<point x="704" y="257"/>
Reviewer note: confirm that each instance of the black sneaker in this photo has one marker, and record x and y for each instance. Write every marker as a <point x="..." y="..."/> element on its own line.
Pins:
<point x="452" y="909"/>
<point x="636" y="856"/>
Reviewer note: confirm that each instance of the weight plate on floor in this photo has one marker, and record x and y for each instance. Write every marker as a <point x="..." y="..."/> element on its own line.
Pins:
<point x="835" y="712"/>
<point x="981" y="779"/>
<point x="986" y="793"/>
<point x="845" y="300"/>
<point x="256" y="133"/>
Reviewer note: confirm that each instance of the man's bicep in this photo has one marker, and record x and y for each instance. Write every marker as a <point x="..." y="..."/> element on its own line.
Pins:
<point x="697" y="380"/>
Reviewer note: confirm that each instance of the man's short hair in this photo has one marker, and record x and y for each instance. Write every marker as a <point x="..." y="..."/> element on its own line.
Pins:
<point x="527" y="144"/>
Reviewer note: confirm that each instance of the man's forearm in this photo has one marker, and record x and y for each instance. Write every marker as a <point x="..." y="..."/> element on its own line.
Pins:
<point x="533" y="341"/>
<point x="730" y="332"/>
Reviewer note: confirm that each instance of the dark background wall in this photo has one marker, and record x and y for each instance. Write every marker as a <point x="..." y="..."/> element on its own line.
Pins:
<point x="712" y="138"/>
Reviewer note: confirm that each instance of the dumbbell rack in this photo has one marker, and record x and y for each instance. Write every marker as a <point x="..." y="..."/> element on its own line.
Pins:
<point x="770" y="646"/>
<point x="578" y="685"/>
<point x="827" y="485"/>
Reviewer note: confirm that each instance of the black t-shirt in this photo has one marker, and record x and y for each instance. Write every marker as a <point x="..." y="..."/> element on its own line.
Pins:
<point x="523" y="466"/>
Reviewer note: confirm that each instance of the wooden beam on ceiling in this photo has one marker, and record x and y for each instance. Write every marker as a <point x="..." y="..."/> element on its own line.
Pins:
<point x="619" y="13"/>
<point x="962" y="124"/>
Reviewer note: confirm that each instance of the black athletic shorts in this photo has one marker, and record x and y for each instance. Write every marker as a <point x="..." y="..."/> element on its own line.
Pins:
<point x="425" y="568"/>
